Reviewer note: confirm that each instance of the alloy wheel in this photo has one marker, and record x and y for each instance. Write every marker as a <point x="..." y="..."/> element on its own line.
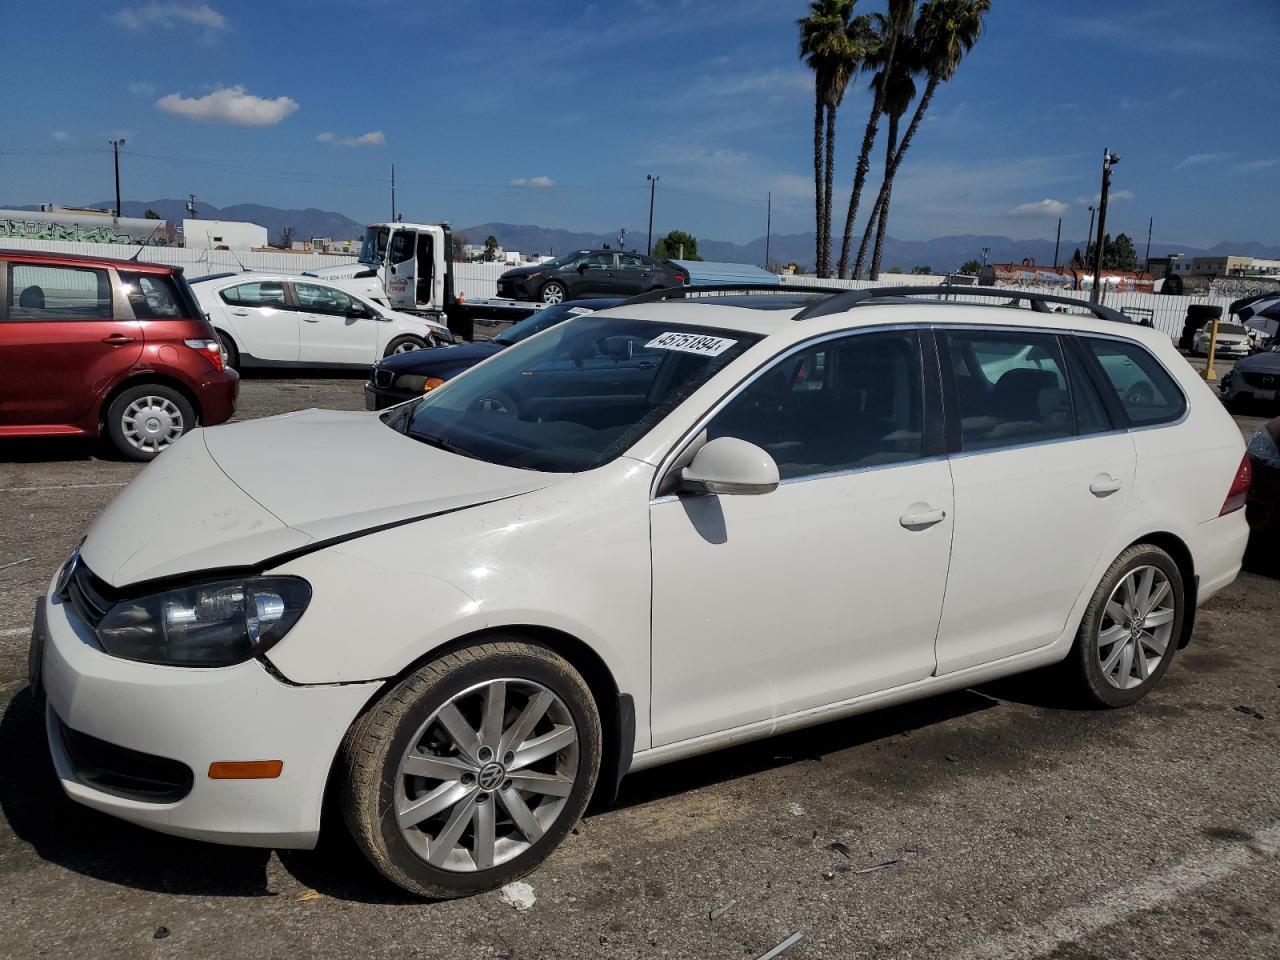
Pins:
<point x="151" y="423"/>
<point x="407" y="346"/>
<point x="553" y="293"/>
<point x="1136" y="627"/>
<point x="487" y="775"/>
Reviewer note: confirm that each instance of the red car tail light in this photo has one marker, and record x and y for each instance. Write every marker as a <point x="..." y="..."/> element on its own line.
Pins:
<point x="1239" y="491"/>
<point x="211" y="350"/>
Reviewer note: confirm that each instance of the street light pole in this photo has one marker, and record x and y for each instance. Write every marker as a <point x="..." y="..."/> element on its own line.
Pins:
<point x="1146" y="264"/>
<point x="1056" y="243"/>
<point x="1109" y="160"/>
<point x="653" y="183"/>
<point x="115" y="148"/>
<point x="768" y="229"/>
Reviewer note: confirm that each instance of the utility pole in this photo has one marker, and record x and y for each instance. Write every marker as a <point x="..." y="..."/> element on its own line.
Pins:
<point x="986" y="252"/>
<point x="393" y="193"/>
<point x="768" y="229"/>
<point x="115" y="148"/>
<point x="1146" y="261"/>
<point x="1109" y="160"/>
<point x="1089" y="239"/>
<point x="191" y="206"/>
<point x="1056" y="243"/>
<point x="653" y="184"/>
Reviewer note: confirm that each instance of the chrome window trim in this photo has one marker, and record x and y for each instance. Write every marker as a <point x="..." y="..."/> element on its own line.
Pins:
<point x="679" y="447"/>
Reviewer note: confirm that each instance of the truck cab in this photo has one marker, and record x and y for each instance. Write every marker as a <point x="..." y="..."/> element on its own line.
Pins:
<point x="402" y="265"/>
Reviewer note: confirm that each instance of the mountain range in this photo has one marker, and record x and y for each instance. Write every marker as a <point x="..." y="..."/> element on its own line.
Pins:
<point x="940" y="254"/>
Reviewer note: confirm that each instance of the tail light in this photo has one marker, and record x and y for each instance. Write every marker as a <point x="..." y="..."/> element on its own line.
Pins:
<point x="1239" y="491"/>
<point x="211" y="350"/>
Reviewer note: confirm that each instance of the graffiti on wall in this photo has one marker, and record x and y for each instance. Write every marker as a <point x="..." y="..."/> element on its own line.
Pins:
<point x="11" y="228"/>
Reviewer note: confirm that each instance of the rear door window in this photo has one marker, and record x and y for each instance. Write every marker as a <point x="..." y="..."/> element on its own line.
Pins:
<point x="53" y="293"/>
<point x="314" y="298"/>
<point x="258" y="293"/>
<point x="152" y="296"/>
<point x="1145" y="389"/>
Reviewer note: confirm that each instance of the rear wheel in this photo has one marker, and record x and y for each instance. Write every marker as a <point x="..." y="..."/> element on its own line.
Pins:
<point x="554" y="292"/>
<point x="472" y="769"/>
<point x="405" y="344"/>
<point x="144" y="420"/>
<point x="230" y="354"/>
<point x="1131" y="628"/>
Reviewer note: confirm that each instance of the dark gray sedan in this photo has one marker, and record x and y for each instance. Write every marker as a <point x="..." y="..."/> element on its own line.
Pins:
<point x="1255" y="379"/>
<point x="590" y="273"/>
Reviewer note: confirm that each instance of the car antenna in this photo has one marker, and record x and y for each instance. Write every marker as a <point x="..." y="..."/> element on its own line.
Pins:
<point x="145" y="243"/>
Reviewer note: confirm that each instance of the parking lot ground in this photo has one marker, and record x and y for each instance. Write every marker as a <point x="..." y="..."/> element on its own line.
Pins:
<point x="992" y="823"/>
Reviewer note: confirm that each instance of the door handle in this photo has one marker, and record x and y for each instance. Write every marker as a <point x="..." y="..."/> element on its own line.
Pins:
<point x="240" y="313"/>
<point x="1104" y="485"/>
<point x="310" y="319"/>
<point x="922" y="520"/>
<point x="118" y="339"/>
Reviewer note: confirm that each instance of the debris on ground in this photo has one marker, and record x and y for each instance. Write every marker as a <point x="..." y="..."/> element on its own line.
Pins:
<point x="796" y="810"/>
<point x="519" y="895"/>
<point x="887" y="865"/>
<point x="306" y="895"/>
<point x="783" y="947"/>
<point x="952" y="759"/>
<point x="5" y="566"/>
<point x="1249" y="712"/>
<point x="161" y="933"/>
<point x="721" y="910"/>
<point x="840" y="848"/>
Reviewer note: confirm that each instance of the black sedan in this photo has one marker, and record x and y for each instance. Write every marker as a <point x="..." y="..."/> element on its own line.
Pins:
<point x="590" y="273"/>
<point x="1255" y="379"/>
<point x="404" y="376"/>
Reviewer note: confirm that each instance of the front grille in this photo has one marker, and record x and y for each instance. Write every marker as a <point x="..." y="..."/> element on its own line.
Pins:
<point x="89" y="597"/>
<point x="123" y="772"/>
<point x="1263" y="381"/>
<point x="383" y="378"/>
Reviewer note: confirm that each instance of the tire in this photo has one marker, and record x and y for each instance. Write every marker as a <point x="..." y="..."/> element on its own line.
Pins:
<point x="230" y="354"/>
<point x="147" y="418"/>
<point x="404" y="344"/>
<point x="406" y="727"/>
<point x="553" y="292"/>
<point x="1204" y="312"/>
<point x="1097" y="665"/>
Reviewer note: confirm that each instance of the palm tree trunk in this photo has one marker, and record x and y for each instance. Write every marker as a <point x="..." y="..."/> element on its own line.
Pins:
<point x="859" y="181"/>
<point x="894" y="121"/>
<point x="826" y="195"/>
<point x="818" y="200"/>
<point x="887" y="186"/>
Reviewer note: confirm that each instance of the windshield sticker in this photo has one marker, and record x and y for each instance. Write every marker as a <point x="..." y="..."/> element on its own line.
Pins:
<point x="691" y="343"/>
<point x="578" y="311"/>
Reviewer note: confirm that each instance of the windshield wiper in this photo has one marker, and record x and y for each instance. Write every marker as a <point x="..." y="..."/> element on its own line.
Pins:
<point x="446" y="445"/>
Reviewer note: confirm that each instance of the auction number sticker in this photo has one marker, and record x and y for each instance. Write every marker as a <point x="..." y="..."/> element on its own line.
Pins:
<point x="579" y="311"/>
<point x="691" y="343"/>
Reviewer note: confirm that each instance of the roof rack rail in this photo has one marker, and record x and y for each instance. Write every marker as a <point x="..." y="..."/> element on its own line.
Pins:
<point x="848" y="299"/>
<point x="677" y="293"/>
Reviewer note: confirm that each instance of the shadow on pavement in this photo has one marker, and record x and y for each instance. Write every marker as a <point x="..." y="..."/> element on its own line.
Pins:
<point x="44" y="449"/>
<point x="104" y="848"/>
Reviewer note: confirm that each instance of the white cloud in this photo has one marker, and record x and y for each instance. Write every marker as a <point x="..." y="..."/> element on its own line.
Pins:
<point x="325" y="137"/>
<point x="542" y="182"/>
<point x="755" y="82"/>
<point x="374" y="138"/>
<point x="142" y="88"/>
<point x="1048" y="207"/>
<point x="230" y="105"/>
<point x="62" y="136"/>
<point x="1253" y="166"/>
<point x="167" y="16"/>
<point x="1198" y="159"/>
<point x="1112" y="197"/>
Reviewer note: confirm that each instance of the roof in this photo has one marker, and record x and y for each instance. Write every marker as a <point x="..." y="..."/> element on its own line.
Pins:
<point x="704" y="272"/>
<point x="81" y="260"/>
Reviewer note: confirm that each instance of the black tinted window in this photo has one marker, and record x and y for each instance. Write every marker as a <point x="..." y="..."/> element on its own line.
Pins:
<point x="38" y="292"/>
<point x="152" y="296"/>
<point x="838" y="405"/>
<point x="1091" y="414"/>
<point x="1011" y="388"/>
<point x="1146" y="390"/>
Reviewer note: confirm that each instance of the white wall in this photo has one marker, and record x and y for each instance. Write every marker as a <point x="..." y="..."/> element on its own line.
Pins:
<point x="195" y="262"/>
<point x="232" y="234"/>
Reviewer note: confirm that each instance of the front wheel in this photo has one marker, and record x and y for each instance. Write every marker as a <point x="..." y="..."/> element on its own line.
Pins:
<point x="469" y="772"/>
<point x="554" y="292"/>
<point x="405" y="344"/>
<point x="1130" y="629"/>
<point x="144" y="420"/>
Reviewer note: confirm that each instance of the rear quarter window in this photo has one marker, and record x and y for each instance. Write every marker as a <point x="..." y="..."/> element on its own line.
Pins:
<point x="152" y="296"/>
<point x="1146" y="391"/>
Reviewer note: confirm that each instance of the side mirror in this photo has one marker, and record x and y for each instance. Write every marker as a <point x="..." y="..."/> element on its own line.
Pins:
<point x="728" y="465"/>
<point x="582" y="268"/>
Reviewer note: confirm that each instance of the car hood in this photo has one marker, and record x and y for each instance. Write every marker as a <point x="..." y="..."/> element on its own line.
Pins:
<point x="241" y="494"/>
<point x="427" y="362"/>
<point x="516" y="273"/>
<point x="1268" y="362"/>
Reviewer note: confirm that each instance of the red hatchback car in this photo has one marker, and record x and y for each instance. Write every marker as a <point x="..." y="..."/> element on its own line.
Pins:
<point x="90" y="345"/>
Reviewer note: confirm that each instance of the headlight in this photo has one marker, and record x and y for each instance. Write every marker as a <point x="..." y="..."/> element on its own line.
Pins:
<point x="209" y="625"/>
<point x="443" y="336"/>
<point x="410" y="381"/>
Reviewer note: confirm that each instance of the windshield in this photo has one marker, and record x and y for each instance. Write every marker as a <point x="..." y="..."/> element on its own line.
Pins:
<point x="374" y="248"/>
<point x="540" y="321"/>
<point x="574" y="398"/>
<point x="1231" y="328"/>
<point x="564" y="259"/>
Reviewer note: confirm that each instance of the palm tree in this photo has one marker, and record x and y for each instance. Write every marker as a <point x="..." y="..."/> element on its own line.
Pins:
<point x="944" y="32"/>
<point x="832" y="50"/>
<point x="899" y="91"/>
<point x="883" y="33"/>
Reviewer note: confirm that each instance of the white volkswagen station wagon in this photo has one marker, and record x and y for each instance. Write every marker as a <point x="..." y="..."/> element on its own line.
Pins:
<point x="472" y="611"/>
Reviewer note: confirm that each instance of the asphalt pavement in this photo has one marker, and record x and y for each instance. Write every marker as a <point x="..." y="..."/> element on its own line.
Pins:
<point x="992" y="823"/>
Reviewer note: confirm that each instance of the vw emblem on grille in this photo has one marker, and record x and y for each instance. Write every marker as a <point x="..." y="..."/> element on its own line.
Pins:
<point x="64" y="574"/>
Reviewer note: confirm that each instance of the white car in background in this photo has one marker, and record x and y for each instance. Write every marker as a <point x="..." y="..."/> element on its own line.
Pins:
<point x="1233" y="340"/>
<point x="269" y="320"/>
<point x="640" y="535"/>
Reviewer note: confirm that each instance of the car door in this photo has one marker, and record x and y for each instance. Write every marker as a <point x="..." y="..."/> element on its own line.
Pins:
<point x="1041" y="482"/>
<point x="632" y="276"/>
<point x="402" y="270"/>
<point x="65" y="339"/>
<point x="831" y="586"/>
<point x="261" y="320"/>
<point x="333" y="329"/>
<point x="592" y="276"/>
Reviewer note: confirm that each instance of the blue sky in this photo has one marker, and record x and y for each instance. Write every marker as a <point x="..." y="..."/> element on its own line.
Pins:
<point x="553" y="112"/>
